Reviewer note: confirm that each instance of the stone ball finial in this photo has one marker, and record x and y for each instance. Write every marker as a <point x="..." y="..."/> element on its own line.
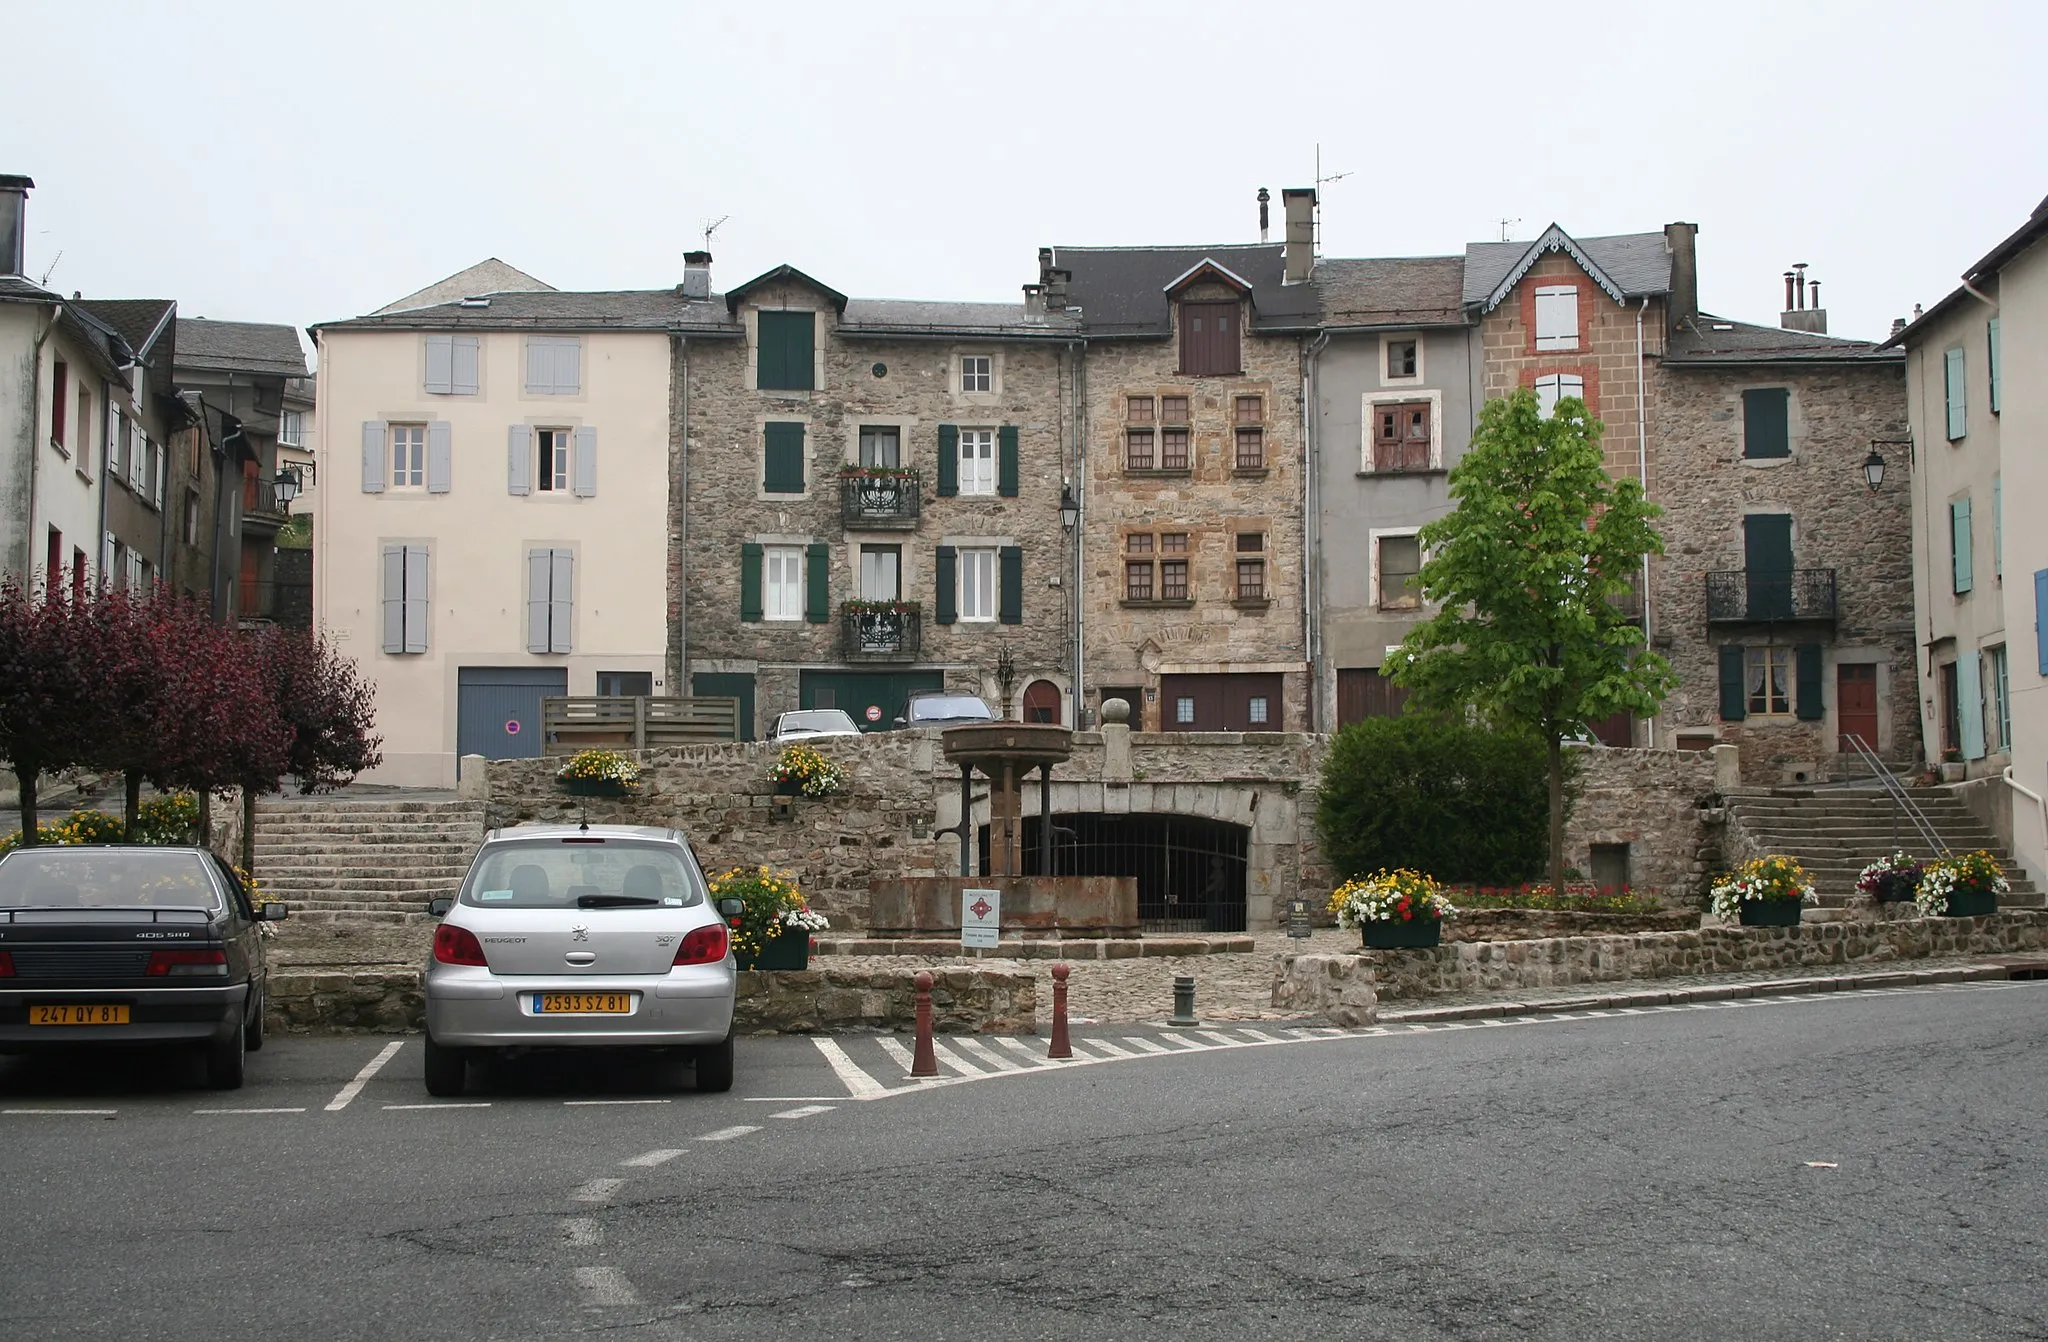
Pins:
<point x="1116" y="710"/>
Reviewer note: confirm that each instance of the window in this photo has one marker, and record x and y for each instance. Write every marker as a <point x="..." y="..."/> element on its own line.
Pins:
<point x="84" y="445"/>
<point x="408" y="456"/>
<point x="1173" y="449"/>
<point x="978" y="585"/>
<point x="554" y="365"/>
<point x="977" y="461"/>
<point x="1251" y="433"/>
<point x="1173" y="409"/>
<point x="786" y="351"/>
<point x="554" y="444"/>
<point x="1173" y="566"/>
<point x="881" y="572"/>
<point x="1401" y="437"/>
<point x="1251" y="572"/>
<point x="629" y="684"/>
<point x="1208" y="339"/>
<point x="1766" y="417"/>
<point x="1138" y="409"/>
<point x="1554" y="387"/>
<point x="550" y="600"/>
<point x="1183" y="709"/>
<point x="60" y="403"/>
<point x="783" y="592"/>
<point x="1953" y="391"/>
<point x="191" y="531"/>
<point x="1138" y="449"/>
<point x="2001" y="697"/>
<point x="291" y="428"/>
<point x="53" y="560"/>
<point x="1156" y="566"/>
<point x="1138" y="567"/>
<point x="1255" y="709"/>
<point x="405" y="599"/>
<point x="78" y="574"/>
<point x="1403" y="359"/>
<point x="881" y="446"/>
<point x="1557" y="316"/>
<point x="782" y="469"/>
<point x="117" y="567"/>
<point x="452" y="368"/>
<point x="1399" y="561"/>
<point x="1769" y="681"/>
<point x="977" y="372"/>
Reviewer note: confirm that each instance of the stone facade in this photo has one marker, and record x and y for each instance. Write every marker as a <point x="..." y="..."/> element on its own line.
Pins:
<point x="1653" y="810"/>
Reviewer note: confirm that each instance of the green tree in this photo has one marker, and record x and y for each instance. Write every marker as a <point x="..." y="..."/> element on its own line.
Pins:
<point x="1524" y="572"/>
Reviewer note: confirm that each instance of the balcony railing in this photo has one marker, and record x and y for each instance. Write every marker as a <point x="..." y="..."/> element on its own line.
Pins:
<point x="286" y="603"/>
<point x="259" y="498"/>
<point x="1629" y="604"/>
<point x="1745" y="596"/>
<point x="881" y="635"/>
<point x="879" y="500"/>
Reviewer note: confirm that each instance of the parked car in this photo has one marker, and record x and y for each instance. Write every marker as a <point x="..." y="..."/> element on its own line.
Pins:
<point x="131" y="945"/>
<point x="803" y="723"/>
<point x="942" y="708"/>
<point x="580" y="937"/>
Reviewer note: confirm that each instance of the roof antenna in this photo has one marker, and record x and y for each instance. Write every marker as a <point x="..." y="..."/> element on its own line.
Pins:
<point x="1320" y="180"/>
<point x="44" y="282"/>
<point x="1505" y="226"/>
<point x="713" y="227"/>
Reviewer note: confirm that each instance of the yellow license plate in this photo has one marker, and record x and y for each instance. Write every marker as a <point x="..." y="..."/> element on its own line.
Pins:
<point x="78" y="1015"/>
<point x="584" y="1004"/>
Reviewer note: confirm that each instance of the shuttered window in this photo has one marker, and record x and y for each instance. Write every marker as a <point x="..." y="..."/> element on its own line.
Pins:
<point x="405" y="599"/>
<point x="1209" y="339"/>
<point x="1953" y="388"/>
<point x="1557" y="316"/>
<point x="1959" y="546"/>
<point x="374" y="431"/>
<point x="783" y="582"/>
<point x="550" y="599"/>
<point x="1554" y="387"/>
<point x="1766" y="423"/>
<point x="554" y="365"/>
<point x="782" y="457"/>
<point x="977" y="570"/>
<point x="784" y="359"/>
<point x="1401" y="437"/>
<point x="452" y="365"/>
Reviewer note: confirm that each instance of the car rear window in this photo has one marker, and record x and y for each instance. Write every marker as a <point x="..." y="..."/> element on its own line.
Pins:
<point x="948" y="706"/>
<point x="95" y="878"/>
<point x="582" y="873"/>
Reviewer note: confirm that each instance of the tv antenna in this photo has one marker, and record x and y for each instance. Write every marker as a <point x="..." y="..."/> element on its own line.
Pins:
<point x="44" y="282"/>
<point x="1505" y="226"/>
<point x="1320" y="181"/>
<point x="713" y="227"/>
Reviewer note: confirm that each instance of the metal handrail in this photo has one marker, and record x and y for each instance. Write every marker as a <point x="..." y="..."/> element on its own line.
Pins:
<point x="1901" y="803"/>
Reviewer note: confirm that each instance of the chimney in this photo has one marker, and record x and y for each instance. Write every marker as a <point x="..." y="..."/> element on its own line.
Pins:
<point x="1034" y="302"/>
<point x="1684" y="303"/>
<point x="696" y="275"/>
<point x="1298" y="241"/>
<point x="1799" y="314"/>
<point x="13" y="223"/>
<point x="1898" y="327"/>
<point x="1264" y="223"/>
<point x="1054" y="281"/>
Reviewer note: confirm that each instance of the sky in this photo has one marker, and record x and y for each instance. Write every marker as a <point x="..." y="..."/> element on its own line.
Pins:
<point x="264" y="161"/>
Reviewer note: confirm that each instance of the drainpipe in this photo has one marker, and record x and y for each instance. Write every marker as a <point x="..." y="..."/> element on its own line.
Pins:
<point x="682" y="672"/>
<point x="35" y="445"/>
<point x="1077" y="353"/>
<point x="100" y="541"/>
<point x="1312" y="527"/>
<point x="1973" y="291"/>
<point x="1643" y="476"/>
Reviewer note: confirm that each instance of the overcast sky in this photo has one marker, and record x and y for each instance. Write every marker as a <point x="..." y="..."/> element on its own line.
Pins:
<point x="301" y="163"/>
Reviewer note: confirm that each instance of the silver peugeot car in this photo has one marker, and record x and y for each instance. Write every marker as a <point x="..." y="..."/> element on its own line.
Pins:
<point x="593" y="936"/>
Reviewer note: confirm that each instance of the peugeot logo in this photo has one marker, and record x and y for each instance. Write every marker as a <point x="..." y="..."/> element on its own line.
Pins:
<point x="579" y="933"/>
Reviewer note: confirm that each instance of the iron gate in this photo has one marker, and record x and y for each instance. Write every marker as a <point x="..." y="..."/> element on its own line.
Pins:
<point x="1191" y="871"/>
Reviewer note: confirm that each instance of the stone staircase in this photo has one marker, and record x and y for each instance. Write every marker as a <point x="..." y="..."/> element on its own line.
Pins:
<point x="1835" y="832"/>
<point x="373" y="860"/>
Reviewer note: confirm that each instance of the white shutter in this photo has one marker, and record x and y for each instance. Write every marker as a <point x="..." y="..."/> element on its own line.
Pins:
<point x="158" y="452"/>
<point x="584" y="468"/>
<point x="415" y="612"/>
<point x="1557" y="317"/>
<point x="373" y="456"/>
<point x="107" y="574"/>
<point x="463" y="374"/>
<point x="114" y="422"/>
<point x="568" y="370"/>
<point x="561" y="599"/>
<point x="394" y="598"/>
<point x="539" y="574"/>
<point x="519" y="460"/>
<point x="540" y="367"/>
<point x="440" y="364"/>
<point x="440" y="456"/>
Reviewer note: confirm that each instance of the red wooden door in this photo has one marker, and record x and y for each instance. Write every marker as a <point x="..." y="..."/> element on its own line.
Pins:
<point x="1856" y="704"/>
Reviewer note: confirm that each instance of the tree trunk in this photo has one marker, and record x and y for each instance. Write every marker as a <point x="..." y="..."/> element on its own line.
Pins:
<point x="1556" y="816"/>
<point x="25" y="780"/>
<point x="248" y="833"/>
<point x="206" y="817"/>
<point x="133" y="812"/>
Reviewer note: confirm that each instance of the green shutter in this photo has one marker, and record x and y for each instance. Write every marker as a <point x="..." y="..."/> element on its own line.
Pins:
<point x="1011" y="563"/>
<point x="817" y="576"/>
<point x="1732" y="696"/>
<point x="1953" y="392"/>
<point x="1006" y="461"/>
<point x="783" y="459"/>
<point x="1992" y="359"/>
<point x="1766" y="419"/>
<point x="785" y="351"/>
<point x="948" y="593"/>
<point x="949" y="460"/>
<point x="1806" y="682"/>
<point x="1998" y="526"/>
<point x="750" y="581"/>
<point x="1959" y="545"/>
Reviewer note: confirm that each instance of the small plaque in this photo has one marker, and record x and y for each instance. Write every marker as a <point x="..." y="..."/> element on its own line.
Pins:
<point x="981" y="918"/>
<point x="1297" y="918"/>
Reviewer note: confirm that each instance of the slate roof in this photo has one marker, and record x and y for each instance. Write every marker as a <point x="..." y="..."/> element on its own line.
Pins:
<point x="251" y="347"/>
<point x="1711" y="340"/>
<point x="21" y="290"/>
<point x="1986" y="269"/>
<point x="488" y="276"/>
<point x="1638" y="263"/>
<point x="897" y="317"/>
<point x="137" y="319"/>
<point x="1392" y="291"/>
<point x="1122" y="290"/>
<point x="554" y="310"/>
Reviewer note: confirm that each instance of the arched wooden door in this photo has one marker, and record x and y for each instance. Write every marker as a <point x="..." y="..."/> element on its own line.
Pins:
<point x="1042" y="702"/>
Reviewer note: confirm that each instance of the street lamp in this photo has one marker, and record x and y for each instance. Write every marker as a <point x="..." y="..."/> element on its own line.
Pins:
<point x="1873" y="469"/>
<point x="1070" y="509"/>
<point x="287" y="488"/>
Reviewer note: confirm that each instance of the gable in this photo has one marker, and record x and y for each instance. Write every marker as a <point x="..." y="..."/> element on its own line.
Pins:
<point x="784" y="274"/>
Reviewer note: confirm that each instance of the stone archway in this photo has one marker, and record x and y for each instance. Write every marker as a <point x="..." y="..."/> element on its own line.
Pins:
<point x="1190" y="869"/>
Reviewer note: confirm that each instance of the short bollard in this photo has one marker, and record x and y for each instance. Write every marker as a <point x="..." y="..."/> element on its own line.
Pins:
<point x="1061" y="1047"/>
<point x="1183" y="1001"/>
<point x="924" y="1062"/>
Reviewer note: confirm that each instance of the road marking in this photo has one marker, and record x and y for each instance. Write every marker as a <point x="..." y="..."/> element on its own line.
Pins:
<point x="445" y="1104"/>
<point x="591" y="1102"/>
<point x="727" y="1134"/>
<point x="1217" y="1037"/>
<point x="606" y="1286"/>
<point x="806" y="1111"/>
<point x="859" y="1084"/>
<point x="582" y="1232"/>
<point x="1025" y="1051"/>
<point x="596" y="1190"/>
<point x="1262" y="1037"/>
<point x="653" y="1158"/>
<point x="99" y="1112"/>
<point x="789" y="1099"/>
<point x="982" y="1053"/>
<point x="1104" y="1047"/>
<point x="249" y="1111"/>
<point x="953" y="1062"/>
<point x="1145" y="1045"/>
<point x="1184" y="1043"/>
<point x="370" y="1069"/>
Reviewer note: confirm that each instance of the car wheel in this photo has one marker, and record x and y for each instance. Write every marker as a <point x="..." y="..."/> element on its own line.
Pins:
<point x="254" y="1030"/>
<point x="714" y="1067"/>
<point x="224" y="1058"/>
<point x="447" y="1069"/>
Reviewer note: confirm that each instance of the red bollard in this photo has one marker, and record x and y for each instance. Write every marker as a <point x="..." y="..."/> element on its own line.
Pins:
<point x="1061" y="1048"/>
<point x="924" y="1062"/>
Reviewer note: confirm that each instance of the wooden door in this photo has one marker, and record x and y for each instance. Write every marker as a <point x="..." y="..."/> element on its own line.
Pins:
<point x="1856" y="704"/>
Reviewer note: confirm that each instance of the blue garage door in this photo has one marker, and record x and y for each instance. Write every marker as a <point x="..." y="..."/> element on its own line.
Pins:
<point x="497" y="709"/>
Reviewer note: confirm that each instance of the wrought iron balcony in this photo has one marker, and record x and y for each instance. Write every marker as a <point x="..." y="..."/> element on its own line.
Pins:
<point x="879" y="499"/>
<point x="1629" y="604"/>
<point x="260" y="502"/>
<point x="1751" y="596"/>
<point x="881" y="633"/>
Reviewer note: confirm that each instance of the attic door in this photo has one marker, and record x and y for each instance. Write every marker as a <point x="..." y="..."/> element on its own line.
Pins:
<point x="1208" y="339"/>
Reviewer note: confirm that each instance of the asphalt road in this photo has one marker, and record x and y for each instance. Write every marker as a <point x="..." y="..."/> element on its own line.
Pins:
<point x="1866" y="1165"/>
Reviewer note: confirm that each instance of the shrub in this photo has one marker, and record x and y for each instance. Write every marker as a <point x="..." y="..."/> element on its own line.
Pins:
<point x="1463" y="803"/>
<point x="168" y="818"/>
<point x="78" y="827"/>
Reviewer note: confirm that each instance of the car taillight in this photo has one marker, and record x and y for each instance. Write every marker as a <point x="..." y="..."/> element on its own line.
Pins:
<point x="702" y="946"/>
<point x="457" y="946"/>
<point x="6" y="965"/>
<point x="187" y="964"/>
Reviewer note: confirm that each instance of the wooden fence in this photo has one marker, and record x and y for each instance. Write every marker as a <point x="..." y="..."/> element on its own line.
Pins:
<point x="636" y="722"/>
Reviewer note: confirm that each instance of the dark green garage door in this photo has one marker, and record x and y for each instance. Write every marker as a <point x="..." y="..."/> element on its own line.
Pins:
<point x="871" y="698"/>
<point x="729" y="684"/>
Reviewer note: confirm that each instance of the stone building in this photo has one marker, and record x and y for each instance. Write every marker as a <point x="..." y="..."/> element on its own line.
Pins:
<point x="868" y="502"/>
<point x="1193" y="575"/>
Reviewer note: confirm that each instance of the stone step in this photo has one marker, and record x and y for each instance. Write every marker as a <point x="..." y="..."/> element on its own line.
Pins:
<point x="332" y="802"/>
<point x="343" y="827"/>
<point x="356" y="866"/>
<point x="390" y="916"/>
<point x="372" y="887"/>
<point x="406" y="905"/>
<point x="334" y="858"/>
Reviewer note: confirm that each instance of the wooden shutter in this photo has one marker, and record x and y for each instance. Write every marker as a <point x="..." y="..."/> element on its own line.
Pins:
<point x="817" y="582"/>
<point x="394" y="598"/>
<point x="1992" y="359"/>
<point x="785" y="351"/>
<point x="1208" y="338"/>
<point x="583" y="470"/>
<point x="782" y="458"/>
<point x="2040" y="623"/>
<point x="464" y="365"/>
<point x="440" y="456"/>
<point x="1006" y="462"/>
<point x="1766" y="422"/>
<point x="1733" y="695"/>
<point x="1959" y="545"/>
<point x="539" y="572"/>
<point x="561" y="599"/>
<point x="440" y="364"/>
<point x="1998" y="526"/>
<point x="1970" y="702"/>
<point x="1958" y="420"/>
<point x="949" y="460"/>
<point x="373" y="456"/>
<point x="947" y="585"/>
<point x="568" y="367"/>
<point x="1767" y="560"/>
<point x="1011" y="585"/>
<point x="1806" y="682"/>
<point x="415" y="611"/>
<point x="750" y="581"/>
<point x="519" y="460"/>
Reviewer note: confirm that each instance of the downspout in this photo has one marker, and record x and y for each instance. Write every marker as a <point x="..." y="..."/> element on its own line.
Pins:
<point x="106" y="551"/>
<point x="1312" y="527"/>
<point x="35" y="445"/>
<point x="1077" y="352"/>
<point x="1643" y="477"/>
<point x="1973" y="291"/>
<point x="682" y="671"/>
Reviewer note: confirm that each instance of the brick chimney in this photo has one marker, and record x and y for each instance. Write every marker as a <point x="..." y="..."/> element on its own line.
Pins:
<point x="696" y="275"/>
<point x="1298" y="240"/>
<point x="1684" y="303"/>
<point x="13" y="223"/>
<point x="1799" y="315"/>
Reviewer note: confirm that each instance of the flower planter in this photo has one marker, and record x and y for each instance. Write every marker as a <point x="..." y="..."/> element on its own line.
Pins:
<point x="1384" y="934"/>
<point x="789" y="787"/>
<point x="593" y="787"/>
<point x="1970" y="904"/>
<point x="791" y="950"/>
<point x="1770" y="912"/>
<point x="1901" y="893"/>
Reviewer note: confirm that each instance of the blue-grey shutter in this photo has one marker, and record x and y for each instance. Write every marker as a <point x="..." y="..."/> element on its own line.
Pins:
<point x="568" y="370"/>
<point x="1998" y="526"/>
<point x="1970" y="702"/>
<point x="1006" y="461"/>
<point x="1959" y="544"/>
<point x="540" y="367"/>
<point x="949" y="460"/>
<point x="415" y="612"/>
<point x="440" y="456"/>
<point x="539" y="573"/>
<point x="2041" y="620"/>
<point x="1766" y="422"/>
<point x="1953" y="388"/>
<point x="1992" y="359"/>
<point x="519" y="460"/>
<point x="750" y="582"/>
<point x="561" y="599"/>
<point x="394" y="598"/>
<point x="817" y="582"/>
<point x="463" y="365"/>
<point x="583" y="470"/>
<point x="1733" y="692"/>
<point x="440" y="364"/>
<point x="374" y="431"/>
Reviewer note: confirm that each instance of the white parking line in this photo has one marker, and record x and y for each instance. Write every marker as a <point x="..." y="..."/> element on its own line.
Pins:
<point x="249" y="1111"/>
<point x="370" y="1069"/>
<point x="1145" y="1045"/>
<point x="727" y="1134"/>
<point x="590" y="1102"/>
<point x="858" y="1084"/>
<point x="806" y="1111"/>
<point x="606" y="1286"/>
<point x="74" y="1112"/>
<point x="982" y="1053"/>
<point x="445" y="1104"/>
<point x="596" y="1190"/>
<point x="1218" y="1037"/>
<point x="1102" y="1046"/>
<point x="653" y="1158"/>
<point x="1025" y="1051"/>
<point x="582" y="1232"/>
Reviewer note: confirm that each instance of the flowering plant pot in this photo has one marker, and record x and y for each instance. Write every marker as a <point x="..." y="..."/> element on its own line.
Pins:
<point x="1891" y="879"/>
<point x="1393" y="908"/>
<point x="1381" y="935"/>
<point x="1961" y="887"/>
<point x="596" y="787"/>
<point x="1770" y="912"/>
<point x="598" y="773"/>
<point x="1775" y="880"/>
<point x="774" y="927"/>
<point x="803" y="770"/>
<point x="790" y="950"/>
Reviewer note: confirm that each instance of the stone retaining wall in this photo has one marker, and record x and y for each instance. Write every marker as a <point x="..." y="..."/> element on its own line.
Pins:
<point x="1651" y="800"/>
<point x="1530" y="924"/>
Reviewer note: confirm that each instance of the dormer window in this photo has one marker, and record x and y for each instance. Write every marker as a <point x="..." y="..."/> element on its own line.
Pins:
<point x="1209" y="339"/>
<point x="1557" y="316"/>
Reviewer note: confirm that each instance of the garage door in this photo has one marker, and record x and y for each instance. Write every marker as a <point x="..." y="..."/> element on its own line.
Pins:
<point x="497" y="709"/>
<point x="871" y="698"/>
<point x="1242" y="702"/>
